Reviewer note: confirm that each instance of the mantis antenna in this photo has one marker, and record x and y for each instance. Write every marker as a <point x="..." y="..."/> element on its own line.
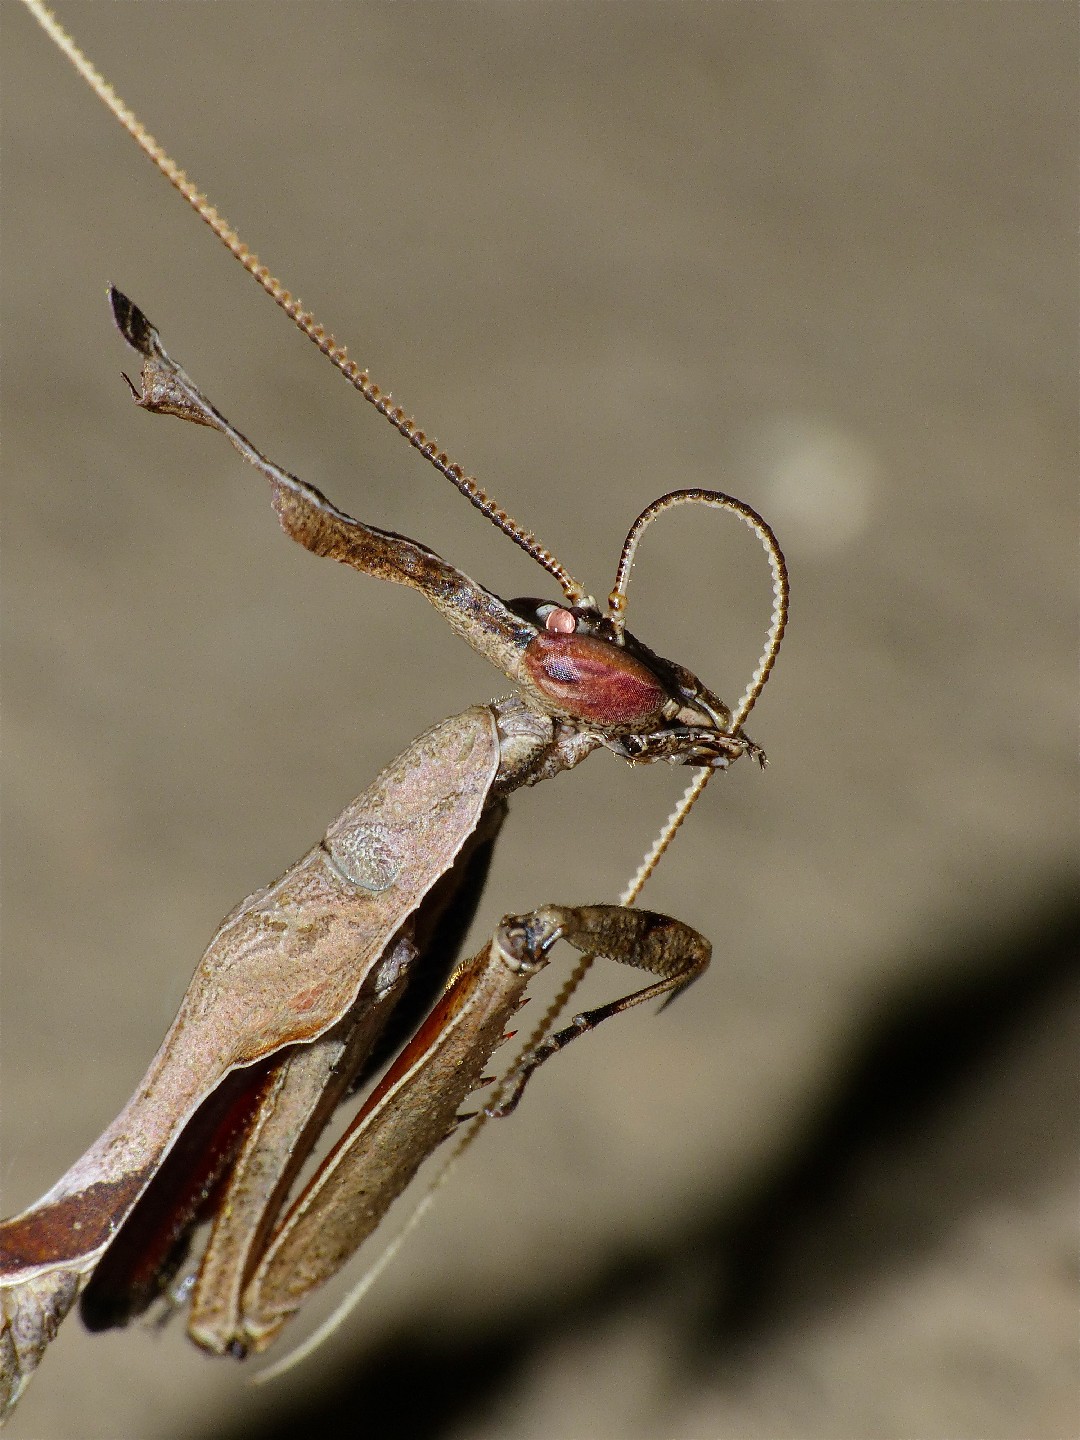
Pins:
<point x="781" y="589"/>
<point x="303" y="319"/>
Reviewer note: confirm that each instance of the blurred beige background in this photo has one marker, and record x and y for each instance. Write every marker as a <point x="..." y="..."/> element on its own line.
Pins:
<point x="820" y="255"/>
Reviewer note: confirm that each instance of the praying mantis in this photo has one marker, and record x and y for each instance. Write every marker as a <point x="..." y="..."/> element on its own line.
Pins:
<point x="309" y="980"/>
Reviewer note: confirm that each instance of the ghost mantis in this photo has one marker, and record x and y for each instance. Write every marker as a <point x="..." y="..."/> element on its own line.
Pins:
<point x="344" y="972"/>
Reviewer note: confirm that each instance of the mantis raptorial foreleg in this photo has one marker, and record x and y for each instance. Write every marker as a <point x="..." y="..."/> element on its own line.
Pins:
<point x="416" y="1103"/>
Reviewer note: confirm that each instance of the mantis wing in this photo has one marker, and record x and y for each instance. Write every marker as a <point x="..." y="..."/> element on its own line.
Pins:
<point x="282" y="969"/>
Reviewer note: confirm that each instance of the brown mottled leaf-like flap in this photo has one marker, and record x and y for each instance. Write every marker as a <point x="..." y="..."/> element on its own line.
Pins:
<point x="282" y="968"/>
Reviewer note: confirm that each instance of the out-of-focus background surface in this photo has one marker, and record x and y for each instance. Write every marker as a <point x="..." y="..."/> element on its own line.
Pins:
<point x="819" y="255"/>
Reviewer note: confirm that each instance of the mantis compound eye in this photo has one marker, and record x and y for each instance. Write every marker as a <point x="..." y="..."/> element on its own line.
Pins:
<point x="590" y="678"/>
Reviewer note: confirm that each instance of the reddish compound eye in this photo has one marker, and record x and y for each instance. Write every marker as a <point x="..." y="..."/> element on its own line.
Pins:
<point x="560" y="622"/>
<point x="591" y="678"/>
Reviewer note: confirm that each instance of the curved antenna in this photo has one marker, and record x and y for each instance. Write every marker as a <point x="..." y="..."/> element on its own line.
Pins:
<point x="781" y="591"/>
<point x="303" y="319"/>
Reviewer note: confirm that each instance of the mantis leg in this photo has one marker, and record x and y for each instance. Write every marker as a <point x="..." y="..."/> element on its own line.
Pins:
<point x="666" y="948"/>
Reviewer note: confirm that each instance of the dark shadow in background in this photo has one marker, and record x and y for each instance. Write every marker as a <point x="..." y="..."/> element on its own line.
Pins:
<point x="797" y="1238"/>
